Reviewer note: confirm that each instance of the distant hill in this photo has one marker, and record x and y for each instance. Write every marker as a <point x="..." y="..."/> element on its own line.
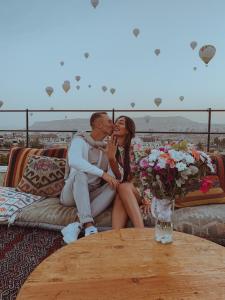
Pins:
<point x="175" y="123"/>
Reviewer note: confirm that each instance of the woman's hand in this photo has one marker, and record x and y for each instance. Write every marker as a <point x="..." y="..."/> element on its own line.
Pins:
<point x="111" y="148"/>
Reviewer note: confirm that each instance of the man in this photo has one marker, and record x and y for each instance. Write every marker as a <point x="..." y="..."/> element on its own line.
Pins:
<point x="88" y="186"/>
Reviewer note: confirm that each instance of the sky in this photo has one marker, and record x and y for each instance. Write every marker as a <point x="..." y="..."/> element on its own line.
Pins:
<point x="35" y="36"/>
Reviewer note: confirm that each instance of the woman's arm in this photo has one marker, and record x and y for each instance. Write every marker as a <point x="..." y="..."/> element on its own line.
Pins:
<point x="115" y="168"/>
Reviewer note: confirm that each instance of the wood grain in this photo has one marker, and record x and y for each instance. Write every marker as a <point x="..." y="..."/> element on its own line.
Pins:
<point x="129" y="264"/>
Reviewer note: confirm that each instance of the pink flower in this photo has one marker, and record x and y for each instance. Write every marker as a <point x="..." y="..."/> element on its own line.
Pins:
<point x="206" y="184"/>
<point x="144" y="163"/>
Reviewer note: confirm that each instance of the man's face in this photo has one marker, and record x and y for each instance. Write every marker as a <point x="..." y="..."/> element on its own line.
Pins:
<point x="106" y="124"/>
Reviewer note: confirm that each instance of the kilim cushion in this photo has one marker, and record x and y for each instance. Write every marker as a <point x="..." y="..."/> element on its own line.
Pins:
<point x="43" y="176"/>
<point x="215" y="195"/>
<point x="12" y="202"/>
<point x="18" y="159"/>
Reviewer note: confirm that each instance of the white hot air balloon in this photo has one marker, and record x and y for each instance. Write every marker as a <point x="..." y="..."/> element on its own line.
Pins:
<point x="181" y="98"/>
<point x="157" y="52"/>
<point x="77" y="87"/>
<point x="132" y="104"/>
<point x="86" y="54"/>
<point x="136" y="32"/>
<point x="94" y="3"/>
<point x="195" y="68"/>
<point x="206" y="53"/>
<point x="61" y="63"/>
<point x="1" y="103"/>
<point x="158" y="101"/>
<point x="193" y="44"/>
<point x="66" y="86"/>
<point x="104" y="88"/>
<point x="49" y="90"/>
<point x="112" y="91"/>
<point x="77" y="78"/>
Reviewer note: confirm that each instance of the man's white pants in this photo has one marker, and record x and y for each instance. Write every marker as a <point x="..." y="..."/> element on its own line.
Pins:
<point x="90" y="200"/>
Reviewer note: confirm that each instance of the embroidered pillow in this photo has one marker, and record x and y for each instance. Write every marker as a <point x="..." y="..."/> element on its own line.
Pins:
<point x="43" y="176"/>
<point x="12" y="202"/>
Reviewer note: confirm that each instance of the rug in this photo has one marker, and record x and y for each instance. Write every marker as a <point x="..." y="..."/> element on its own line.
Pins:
<point x="21" y="251"/>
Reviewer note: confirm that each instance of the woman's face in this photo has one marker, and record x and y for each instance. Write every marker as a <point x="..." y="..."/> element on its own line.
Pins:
<point x="120" y="128"/>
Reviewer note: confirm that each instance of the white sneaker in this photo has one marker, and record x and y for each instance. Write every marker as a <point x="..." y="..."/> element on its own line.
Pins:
<point x="90" y="230"/>
<point x="70" y="232"/>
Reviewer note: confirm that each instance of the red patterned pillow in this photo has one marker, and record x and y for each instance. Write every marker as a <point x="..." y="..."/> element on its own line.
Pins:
<point x="43" y="176"/>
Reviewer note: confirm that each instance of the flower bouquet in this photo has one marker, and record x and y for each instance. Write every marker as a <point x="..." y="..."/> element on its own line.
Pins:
<point x="167" y="172"/>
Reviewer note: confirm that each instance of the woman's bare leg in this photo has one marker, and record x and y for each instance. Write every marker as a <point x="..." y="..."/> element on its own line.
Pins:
<point x="130" y="202"/>
<point x="119" y="215"/>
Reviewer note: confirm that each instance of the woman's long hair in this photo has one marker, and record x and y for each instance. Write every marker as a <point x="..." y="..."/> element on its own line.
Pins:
<point x="130" y="126"/>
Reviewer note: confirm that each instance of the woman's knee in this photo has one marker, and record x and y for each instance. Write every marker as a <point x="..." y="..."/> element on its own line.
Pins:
<point x="125" y="187"/>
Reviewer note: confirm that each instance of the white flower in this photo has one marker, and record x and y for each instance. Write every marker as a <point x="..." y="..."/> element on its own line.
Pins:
<point x="189" y="158"/>
<point x="154" y="155"/>
<point x="181" y="166"/>
<point x="161" y="163"/>
<point x="176" y="155"/>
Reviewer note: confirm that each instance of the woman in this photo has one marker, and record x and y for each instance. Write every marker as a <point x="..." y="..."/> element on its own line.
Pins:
<point x="128" y="200"/>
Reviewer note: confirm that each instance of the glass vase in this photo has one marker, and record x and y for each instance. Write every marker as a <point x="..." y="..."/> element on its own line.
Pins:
<point x="162" y="210"/>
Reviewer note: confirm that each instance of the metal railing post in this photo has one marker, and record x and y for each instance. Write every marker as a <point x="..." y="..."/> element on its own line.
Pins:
<point x="113" y="115"/>
<point x="209" y="128"/>
<point x="27" y="128"/>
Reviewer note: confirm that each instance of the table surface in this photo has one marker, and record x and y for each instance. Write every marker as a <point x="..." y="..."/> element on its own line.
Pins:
<point x="129" y="264"/>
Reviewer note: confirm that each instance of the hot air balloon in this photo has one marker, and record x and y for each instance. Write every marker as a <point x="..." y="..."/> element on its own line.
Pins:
<point x="193" y="44"/>
<point x="136" y="32"/>
<point x="94" y="3"/>
<point x="77" y="87"/>
<point x="206" y="53"/>
<point x="65" y="117"/>
<point x="132" y="104"/>
<point x="158" y="101"/>
<point x="51" y="108"/>
<point x="66" y="85"/>
<point x="61" y="63"/>
<point x="77" y="78"/>
<point x="86" y="54"/>
<point x="104" y="88"/>
<point x="1" y="103"/>
<point x="181" y="98"/>
<point x="49" y="90"/>
<point x="112" y="90"/>
<point x="89" y="86"/>
<point x="195" y="68"/>
<point x="147" y="119"/>
<point x="31" y="114"/>
<point x="157" y="52"/>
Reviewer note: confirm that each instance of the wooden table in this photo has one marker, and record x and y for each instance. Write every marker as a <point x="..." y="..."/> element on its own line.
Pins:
<point x="129" y="264"/>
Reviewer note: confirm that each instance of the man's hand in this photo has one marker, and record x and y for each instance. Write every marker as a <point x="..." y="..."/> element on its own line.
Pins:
<point x="113" y="182"/>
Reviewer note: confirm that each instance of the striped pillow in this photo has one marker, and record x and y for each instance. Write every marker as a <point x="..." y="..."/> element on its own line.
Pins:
<point x="18" y="159"/>
<point x="215" y="195"/>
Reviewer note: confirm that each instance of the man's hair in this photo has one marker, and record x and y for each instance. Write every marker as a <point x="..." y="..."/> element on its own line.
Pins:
<point x="95" y="116"/>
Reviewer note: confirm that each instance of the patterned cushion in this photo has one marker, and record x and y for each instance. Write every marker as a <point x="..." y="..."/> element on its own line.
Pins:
<point x="18" y="159"/>
<point x="215" y="195"/>
<point x="43" y="176"/>
<point x="11" y="202"/>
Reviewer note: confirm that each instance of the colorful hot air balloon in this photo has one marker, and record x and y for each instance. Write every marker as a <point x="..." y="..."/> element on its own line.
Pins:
<point x="206" y="53"/>
<point x="136" y="32"/>
<point x="66" y="86"/>
<point x="77" y="87"/>
<point x="104" y="88"/>
<point x="94" y="3"/>
<point x="86" y="54"/>
<point x="158" y="101"/>
<point x="157" y="52"/>
<point x="61" y="63"/>
<point x="112" y="91"/>
<point x="181" y="98"/>
<point x="132" y="104"/>
<point x="49" y="90"/>
<point x="1" y="103"/>
<point x="193" y="44"/>
<point x="77" y="78"/>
